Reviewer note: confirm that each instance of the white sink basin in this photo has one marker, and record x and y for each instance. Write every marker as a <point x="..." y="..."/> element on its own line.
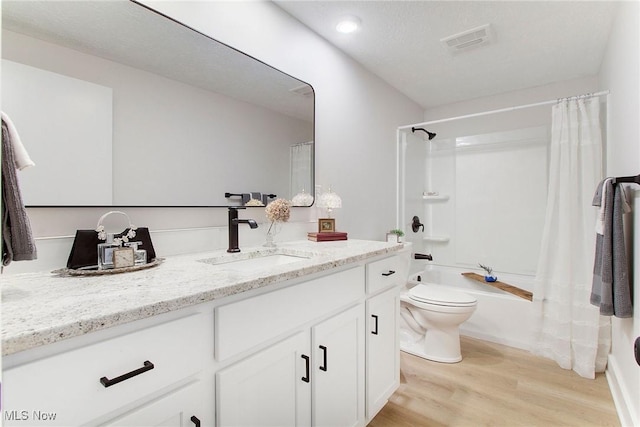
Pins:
<point x="252" y="262"/>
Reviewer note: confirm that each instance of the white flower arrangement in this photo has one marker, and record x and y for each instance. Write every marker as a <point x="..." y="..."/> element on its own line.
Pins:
<point x="131" y="233"/>
<point x="278" y="211"/>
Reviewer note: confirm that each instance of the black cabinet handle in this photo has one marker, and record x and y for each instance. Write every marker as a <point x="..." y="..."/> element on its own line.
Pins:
<point x="375" y="330"/>
<point x="389" y="273"/>
<point x="195" y="421"/>
<point x="324" y="358"/>
<point x="306" y="376"/>
<point x="108" y="383"/>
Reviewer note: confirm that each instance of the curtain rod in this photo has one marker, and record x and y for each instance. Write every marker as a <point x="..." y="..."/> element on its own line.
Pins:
<point x="502" y="110"/>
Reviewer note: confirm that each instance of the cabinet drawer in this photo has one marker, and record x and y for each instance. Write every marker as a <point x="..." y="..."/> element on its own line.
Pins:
<point x="68" y="386"/>
<point x="184" y="407"/>
<point x="385" y="273"/>
<point x="247" y="323"/>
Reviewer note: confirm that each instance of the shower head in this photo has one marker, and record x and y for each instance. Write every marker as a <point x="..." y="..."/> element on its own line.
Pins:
<point x="431" y="134"/>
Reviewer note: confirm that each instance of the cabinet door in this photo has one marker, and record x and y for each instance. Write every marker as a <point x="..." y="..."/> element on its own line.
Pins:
<point x="189" y="406"/>
<point x="383" y="352"/>
<point x="269" y="388"/>
<point x="338" y="374"/>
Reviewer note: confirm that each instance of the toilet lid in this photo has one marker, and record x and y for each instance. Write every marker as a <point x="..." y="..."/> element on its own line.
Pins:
<point x="434" y="294"/>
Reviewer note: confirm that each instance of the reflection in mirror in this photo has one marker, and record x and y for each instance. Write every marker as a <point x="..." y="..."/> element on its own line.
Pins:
<point x="121" y="106"/>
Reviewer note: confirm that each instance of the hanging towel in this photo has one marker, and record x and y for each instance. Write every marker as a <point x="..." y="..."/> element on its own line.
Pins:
<point x="17" y="240"/>
<point x="20" y="155"/>
<point x="599" y="200"/>
<point x="610" y="288"/>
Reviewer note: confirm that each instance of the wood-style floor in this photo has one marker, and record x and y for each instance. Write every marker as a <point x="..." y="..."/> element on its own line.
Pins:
<point x="495" y="385"/>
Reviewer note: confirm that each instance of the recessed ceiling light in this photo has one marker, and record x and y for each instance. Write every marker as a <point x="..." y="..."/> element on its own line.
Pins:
<point x="348" y="24"/>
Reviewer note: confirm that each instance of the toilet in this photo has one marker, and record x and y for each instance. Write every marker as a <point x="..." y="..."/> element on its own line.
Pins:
<point x="430" y="316"/>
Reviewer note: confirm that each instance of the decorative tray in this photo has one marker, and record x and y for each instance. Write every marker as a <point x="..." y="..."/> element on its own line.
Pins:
<point x="95" y="272"/>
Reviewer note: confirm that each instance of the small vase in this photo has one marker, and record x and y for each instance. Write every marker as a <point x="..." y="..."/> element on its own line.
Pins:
<point x="272" y="230"/>
<point x="269" y="243"/>
<point x="490" y="278"/>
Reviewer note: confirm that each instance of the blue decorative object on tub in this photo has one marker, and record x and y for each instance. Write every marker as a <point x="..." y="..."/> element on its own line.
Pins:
<point x="489" y="277"/>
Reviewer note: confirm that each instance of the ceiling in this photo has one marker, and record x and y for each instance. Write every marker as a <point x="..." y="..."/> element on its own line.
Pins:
<point x="535" y="43"/>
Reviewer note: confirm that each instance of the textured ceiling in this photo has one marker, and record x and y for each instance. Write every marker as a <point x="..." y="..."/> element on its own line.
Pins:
<point x="536" y="43"/>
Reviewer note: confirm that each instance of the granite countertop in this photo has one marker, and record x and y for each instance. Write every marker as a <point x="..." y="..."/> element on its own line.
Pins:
<point x="42" y="308"/>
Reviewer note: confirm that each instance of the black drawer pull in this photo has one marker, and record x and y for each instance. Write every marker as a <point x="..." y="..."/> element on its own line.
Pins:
<point x="108" y="383"/>
<point x="306" y="376"/>
<point x="324" y="358"/>
<point x="375" y="330"/>
<point x="389" y="273"/>
<point x="195" y="421"/>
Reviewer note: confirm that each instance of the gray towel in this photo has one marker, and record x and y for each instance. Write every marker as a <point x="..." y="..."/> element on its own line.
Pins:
<point x="17" y="240"/>
<point x="610" y="288"/>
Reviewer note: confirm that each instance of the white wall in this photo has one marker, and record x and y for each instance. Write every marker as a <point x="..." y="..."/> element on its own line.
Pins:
<point x="356" y="113"/>
<point x="516" y="119"/>
<point x="620" y="74"/>
<point x="356" y="119"/>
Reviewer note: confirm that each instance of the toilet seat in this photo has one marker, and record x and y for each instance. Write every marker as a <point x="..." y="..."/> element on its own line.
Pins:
<point x="437" y="295"/>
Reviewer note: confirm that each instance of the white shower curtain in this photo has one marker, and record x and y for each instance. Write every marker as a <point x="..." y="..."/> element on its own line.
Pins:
<point x="569" y="329"/>
<point x="301" y="168"/>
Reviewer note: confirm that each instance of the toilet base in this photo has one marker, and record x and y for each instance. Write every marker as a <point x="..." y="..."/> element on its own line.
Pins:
<point x="437" y="347"/>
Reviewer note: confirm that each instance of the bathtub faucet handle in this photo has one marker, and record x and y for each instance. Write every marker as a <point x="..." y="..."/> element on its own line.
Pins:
<point x="428" y="257"/>
<point x="416" y="224"/>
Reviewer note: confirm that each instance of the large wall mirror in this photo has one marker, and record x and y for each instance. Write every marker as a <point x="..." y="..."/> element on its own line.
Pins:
<point x="121" y="106"/>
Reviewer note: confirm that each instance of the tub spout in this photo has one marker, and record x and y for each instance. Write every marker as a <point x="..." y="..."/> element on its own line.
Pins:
<point x="428" y="257"/>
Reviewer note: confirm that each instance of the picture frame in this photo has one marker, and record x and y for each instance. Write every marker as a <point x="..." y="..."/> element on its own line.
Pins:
<point x="326" y="225"/>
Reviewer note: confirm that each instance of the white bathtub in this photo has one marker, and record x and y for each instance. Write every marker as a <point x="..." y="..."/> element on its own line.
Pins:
<point x="500" y="317"/>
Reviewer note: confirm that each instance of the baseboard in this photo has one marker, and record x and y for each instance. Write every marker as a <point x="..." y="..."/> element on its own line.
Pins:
<point x="621" y="400"/>
<point x="496" y="339"/>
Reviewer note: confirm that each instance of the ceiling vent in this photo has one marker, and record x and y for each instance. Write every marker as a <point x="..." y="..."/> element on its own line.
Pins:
<point x="469" y="39"/>
<point x="304" y="90"/>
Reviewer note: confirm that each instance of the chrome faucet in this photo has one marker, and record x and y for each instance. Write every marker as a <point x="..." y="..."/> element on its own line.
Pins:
<point x="233" y="227"/>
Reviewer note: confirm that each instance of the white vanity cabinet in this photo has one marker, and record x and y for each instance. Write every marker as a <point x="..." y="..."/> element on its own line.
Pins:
<point x="314" y="350"/>
<point x="313" y="377"/>
<point x="384" y="278"/>
<point x="338" y="371"/>
<point x="87" y="383"/>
